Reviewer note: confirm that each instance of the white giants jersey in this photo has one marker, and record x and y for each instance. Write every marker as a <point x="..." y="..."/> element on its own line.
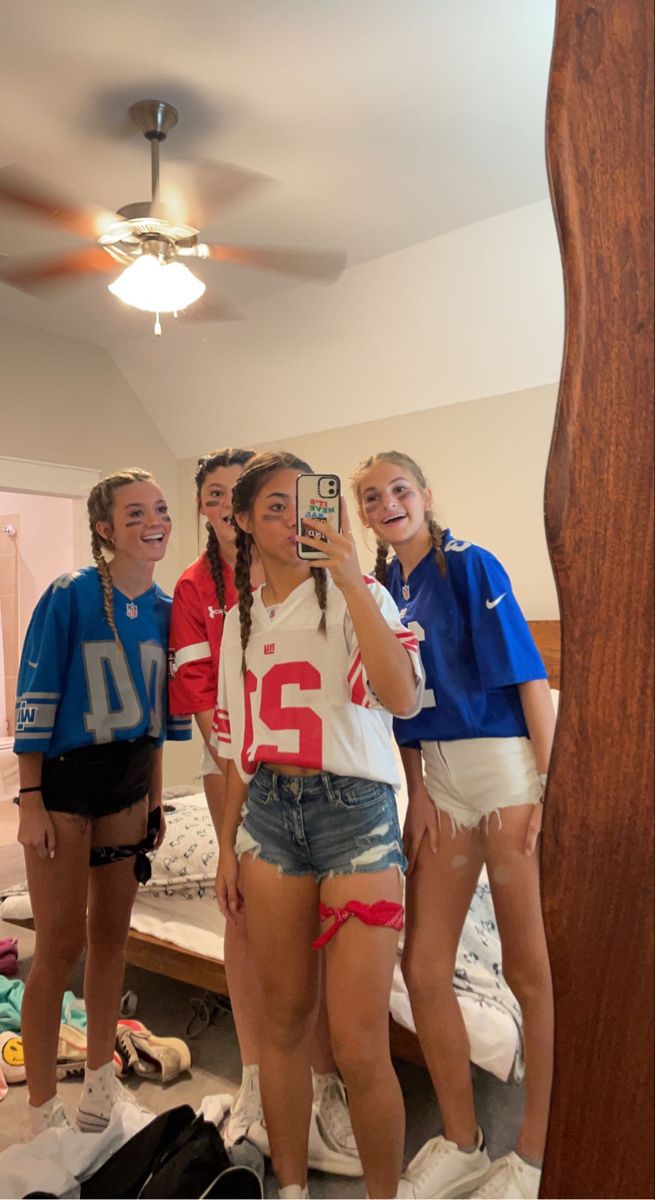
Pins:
<point x="305" y="699"/>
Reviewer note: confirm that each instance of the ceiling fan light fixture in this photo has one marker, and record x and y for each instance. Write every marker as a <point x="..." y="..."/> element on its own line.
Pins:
<point x="157" y="287"/>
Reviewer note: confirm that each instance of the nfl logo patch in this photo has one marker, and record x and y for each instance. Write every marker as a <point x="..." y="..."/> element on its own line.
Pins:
<point x="131" y="610"/>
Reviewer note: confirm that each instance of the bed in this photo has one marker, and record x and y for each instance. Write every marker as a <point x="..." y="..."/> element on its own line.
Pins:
<point x="177" y="930"/>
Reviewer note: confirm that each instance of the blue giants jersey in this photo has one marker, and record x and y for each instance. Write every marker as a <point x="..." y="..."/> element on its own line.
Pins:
<point x="75" y="685"/>
<point x="475" y="645"/>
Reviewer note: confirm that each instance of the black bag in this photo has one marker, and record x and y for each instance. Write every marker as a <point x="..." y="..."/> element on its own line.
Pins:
<point x="177" y="1155"/>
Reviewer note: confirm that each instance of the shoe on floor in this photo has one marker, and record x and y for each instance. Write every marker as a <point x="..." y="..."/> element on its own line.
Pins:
<point x="510" y="1178"/>
<point x="247" y="1113"/>
<point x="147" y="1054"/>
<point x="332" y="1145"/>
<point x="441" y="1169"/>
<point x="71" y="1050"/>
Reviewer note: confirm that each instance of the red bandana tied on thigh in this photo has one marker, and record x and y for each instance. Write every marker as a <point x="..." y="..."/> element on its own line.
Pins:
<point x="383" y="912"/>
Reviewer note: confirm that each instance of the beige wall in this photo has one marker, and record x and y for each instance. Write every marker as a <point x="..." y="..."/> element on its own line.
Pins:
<point x="64" y="401"/>
<point x="486" y="461"/>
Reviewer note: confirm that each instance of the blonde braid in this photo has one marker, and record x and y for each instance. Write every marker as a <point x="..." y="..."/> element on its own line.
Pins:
<point x="244" y="589"/>
<point x="99" y="507"/>
<point x="436" y="534"/>
<point x="320" y="587"/>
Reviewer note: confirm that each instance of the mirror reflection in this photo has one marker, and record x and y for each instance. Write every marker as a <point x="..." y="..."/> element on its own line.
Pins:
<point x="279" y="700"/>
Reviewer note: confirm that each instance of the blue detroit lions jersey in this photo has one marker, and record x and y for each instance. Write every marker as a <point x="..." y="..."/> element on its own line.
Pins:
<point x="75" y="686"/>
<point x="475" y="645"/>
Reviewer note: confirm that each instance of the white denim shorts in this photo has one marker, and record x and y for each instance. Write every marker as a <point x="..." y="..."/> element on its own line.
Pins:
<point x="207" y="764"/>
<point x="473" y="779"/>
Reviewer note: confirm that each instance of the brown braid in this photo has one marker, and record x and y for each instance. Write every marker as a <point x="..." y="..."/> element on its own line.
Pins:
<point x="244" y="589"/>
<point x="320" y="587"/>
<point x="380" y="568"/>
<point x="100" y="505"/>
<point x="246" y="489"/>
<point x="434" y="529"/>
<point x="206" y="466"/>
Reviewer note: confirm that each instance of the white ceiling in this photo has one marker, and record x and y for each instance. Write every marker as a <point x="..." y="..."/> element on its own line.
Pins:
<point x="384" y="123"/>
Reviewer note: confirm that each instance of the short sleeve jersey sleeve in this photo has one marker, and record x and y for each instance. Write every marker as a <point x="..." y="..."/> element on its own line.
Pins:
<point x="361" y="691"/>
<point x="502" y="643"/>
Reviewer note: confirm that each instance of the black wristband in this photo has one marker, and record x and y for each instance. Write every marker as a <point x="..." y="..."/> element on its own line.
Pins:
<point x="23" y="791"/>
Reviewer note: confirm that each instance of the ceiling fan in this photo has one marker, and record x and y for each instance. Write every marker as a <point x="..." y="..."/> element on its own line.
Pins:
<point x="148" y="247"/>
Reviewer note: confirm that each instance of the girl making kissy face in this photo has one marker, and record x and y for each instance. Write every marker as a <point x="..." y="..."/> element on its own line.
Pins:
<point x="91" y="721"/>
<point x="310" y="663"/>
<point x="475" y="758"/>
<point x="203" y="595"/>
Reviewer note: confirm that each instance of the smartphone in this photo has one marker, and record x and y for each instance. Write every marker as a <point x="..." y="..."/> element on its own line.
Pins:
<point x="318" y="497"/>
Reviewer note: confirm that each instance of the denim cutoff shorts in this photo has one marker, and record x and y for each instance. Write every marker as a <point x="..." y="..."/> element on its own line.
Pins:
<point x="321" y="825"/>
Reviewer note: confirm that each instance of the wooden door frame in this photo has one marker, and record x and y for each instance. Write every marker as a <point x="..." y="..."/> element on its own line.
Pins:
<point x="598" y="830"/>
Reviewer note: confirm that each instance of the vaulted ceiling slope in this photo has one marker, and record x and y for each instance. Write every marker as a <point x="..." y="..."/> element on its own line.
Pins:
<point x="383" y="124"/>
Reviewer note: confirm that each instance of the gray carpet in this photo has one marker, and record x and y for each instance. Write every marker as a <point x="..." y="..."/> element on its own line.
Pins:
<point x="164" y="1005"/>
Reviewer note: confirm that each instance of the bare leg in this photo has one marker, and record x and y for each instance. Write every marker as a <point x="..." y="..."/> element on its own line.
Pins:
<point x="112" y="889"/>
<point x="514" y="879"/>
<point x="282" y="921"/>
<point x="57" y="889"/>
<point x="438" y="897"/>
<point x="243" y="981"/>
<point x="242" y="978"/>
<point x="359" y="962"/>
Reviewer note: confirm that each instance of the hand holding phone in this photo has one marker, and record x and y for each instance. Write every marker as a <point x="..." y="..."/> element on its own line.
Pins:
<point x="318" y="498"/>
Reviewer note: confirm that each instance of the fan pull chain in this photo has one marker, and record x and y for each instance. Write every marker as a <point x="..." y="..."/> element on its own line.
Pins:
<point x="157" y="325"/>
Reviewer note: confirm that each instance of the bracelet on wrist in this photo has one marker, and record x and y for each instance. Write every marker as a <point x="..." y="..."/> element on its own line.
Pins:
<point x="24" y="791"/>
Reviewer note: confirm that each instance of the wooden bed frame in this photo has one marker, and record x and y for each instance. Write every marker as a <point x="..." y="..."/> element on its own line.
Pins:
<point x="175" y="962"/>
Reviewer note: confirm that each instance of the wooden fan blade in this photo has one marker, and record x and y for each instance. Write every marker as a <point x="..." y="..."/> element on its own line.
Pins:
<point x="19" y="189"/>
<point x="306" y="263"/>
<point x="191" y="193"/>
<point x="36" y="275"/>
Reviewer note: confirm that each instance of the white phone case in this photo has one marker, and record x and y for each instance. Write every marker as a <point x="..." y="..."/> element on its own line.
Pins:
<point x="318" y="498"/>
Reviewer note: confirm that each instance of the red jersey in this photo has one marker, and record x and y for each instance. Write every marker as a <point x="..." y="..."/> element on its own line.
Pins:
<point x="195" y="637"/>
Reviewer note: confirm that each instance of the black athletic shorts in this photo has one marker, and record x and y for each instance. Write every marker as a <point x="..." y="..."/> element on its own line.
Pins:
<point x="96" y="781"/>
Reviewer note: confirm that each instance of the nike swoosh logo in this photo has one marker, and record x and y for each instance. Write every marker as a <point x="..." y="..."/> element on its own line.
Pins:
<point x="493" y="603"/>
<point x="31" y="664"/>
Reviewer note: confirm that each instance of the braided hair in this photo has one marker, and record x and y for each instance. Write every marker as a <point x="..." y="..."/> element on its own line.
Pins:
<point x="434" y="529"/>
<point x="206" y="466"/>
<point x="246" y="489"/>
<point x="99" y="506"/>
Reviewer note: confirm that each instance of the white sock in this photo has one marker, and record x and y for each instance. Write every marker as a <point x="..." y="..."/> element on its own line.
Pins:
<point x="97" y="1099"/>
<point x="50" y="1115"/>
<point x="248" y="1071"/>
<point x="293" y="1192"/>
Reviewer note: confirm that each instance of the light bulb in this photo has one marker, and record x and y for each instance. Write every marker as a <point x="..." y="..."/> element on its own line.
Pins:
<point x="155" y="287"/>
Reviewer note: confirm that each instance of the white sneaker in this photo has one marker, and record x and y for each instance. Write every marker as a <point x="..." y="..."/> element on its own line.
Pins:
<point x="95" y="1109"/>
<point x="511" y="1178"/>
<point x="51" y="1115"/>
<point x="441" y="1169"/>
<point x="332" y="1145"/>
<point x="246" y="1112"/>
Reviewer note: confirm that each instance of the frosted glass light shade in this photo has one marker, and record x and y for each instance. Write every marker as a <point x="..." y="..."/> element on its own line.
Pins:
<point x="157" y="287"/>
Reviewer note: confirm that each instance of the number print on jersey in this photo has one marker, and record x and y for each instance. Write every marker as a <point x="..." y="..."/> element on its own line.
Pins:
<point x="428" y="695"/>
<point x="283" y="718"/>
<point x="114" y="702"/>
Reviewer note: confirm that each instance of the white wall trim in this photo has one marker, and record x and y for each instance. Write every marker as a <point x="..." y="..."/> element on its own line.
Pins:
<point x="42" y="478"/>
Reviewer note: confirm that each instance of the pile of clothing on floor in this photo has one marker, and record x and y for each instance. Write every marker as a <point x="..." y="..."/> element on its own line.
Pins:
<point x="137" y="1049"/>
<point x="178" y="1153"/>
